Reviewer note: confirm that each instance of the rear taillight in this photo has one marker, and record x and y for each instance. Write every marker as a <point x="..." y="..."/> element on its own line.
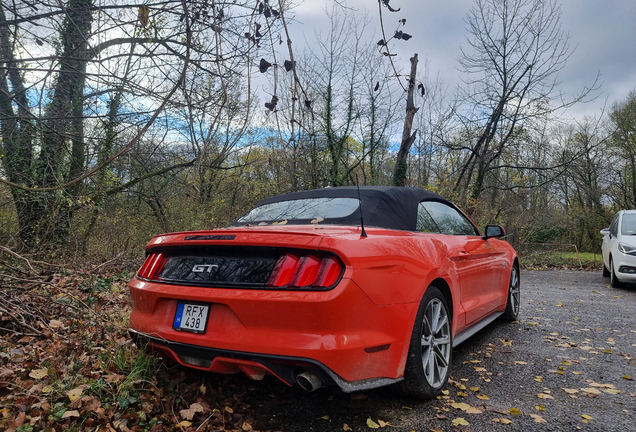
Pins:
<point x="152" y="267"/>
<point x="307" y="271"/>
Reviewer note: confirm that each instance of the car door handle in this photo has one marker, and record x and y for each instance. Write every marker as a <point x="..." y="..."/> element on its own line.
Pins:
<point x="463" y="253"/>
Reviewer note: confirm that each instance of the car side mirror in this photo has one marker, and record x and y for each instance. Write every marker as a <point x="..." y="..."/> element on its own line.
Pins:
<point x="494" y="231"/>
<point x="606" y="232"/>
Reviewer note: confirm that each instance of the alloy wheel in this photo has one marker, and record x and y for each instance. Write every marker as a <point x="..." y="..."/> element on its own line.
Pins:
<point x="436" y="342"/>
<point x="514" y="291"/>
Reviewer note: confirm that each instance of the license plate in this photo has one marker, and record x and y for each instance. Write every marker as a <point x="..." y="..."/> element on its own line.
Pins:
<point x="191" y="317"/>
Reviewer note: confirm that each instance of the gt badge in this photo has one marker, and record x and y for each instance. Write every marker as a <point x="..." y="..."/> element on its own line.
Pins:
<point x="203" y="268"/>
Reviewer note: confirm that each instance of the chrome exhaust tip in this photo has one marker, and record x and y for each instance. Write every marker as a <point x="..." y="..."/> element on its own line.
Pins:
<point x="309" y="381"/>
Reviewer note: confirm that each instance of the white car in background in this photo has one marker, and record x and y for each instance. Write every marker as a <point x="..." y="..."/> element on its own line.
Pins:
<point x="619" y="248"/>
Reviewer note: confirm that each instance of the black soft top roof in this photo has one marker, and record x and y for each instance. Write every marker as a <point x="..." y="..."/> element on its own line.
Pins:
<point x="382" y="206"/>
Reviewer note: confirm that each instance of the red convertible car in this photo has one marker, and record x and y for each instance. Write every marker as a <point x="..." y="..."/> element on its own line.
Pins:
<point x="353" y="287"/>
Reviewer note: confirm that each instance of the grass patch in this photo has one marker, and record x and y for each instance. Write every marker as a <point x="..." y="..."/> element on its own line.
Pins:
<point x="560" y="259"/>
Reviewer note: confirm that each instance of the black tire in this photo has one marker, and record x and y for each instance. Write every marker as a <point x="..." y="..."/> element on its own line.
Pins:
<point x="433" y="346"/>
<point x="511" y="313"/>
<point x="614" y="282"/>
<point x="606" y="272"/>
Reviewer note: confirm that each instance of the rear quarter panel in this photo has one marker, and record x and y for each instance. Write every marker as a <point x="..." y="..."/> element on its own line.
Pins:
<point x="392" y="267"/>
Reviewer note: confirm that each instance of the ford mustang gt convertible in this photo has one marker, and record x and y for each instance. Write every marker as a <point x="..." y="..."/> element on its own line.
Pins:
<point x="352" y="287"/>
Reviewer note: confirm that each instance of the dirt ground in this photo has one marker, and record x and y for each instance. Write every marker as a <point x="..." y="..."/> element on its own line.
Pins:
<point x="567" y="364"/>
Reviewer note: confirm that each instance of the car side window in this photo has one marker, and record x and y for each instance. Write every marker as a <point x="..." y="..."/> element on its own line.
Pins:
<point x="425" y="222"/>
<point x="614" y="226"/>
<point x="448" y="220"/>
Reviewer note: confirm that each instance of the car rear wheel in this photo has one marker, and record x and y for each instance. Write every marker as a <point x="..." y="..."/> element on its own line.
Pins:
<point x="614" y="282"/>
<point x="511" y="313"/>
<point x="428" y="363"/>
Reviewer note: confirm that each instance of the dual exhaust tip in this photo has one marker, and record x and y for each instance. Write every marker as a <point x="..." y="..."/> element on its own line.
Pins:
<point x="309" y="381"/>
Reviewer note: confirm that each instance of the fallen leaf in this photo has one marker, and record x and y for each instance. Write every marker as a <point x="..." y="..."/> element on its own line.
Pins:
<point x="466" y="408"/>
<point x="246" y="426"/>
<point x="591" y="390"/>
<point x="38" y="373"/>
<point x="114" y="378"/>
<point x="559" y="304"/>
<point x="185" y="424"/>
<point x="612" y="391"/>
<point x="505" y="421"/>
<point x="372" y="424"/>
<point x="229" y="410"/>
<point x="121" y="424"/>
<point x="325" y="417"/>
<point x="540" y="407"/>
<point x="55" y="324"/>
<point x="346" y="427"/>
<point x="570" y="391"/>
<point x="188" y="414"/>
<point x="68" y="414"/>
<point x="627" y="377"/>
<point x="459" y="421"/>
<point x="482" y="397"/>
<point x="544" y="396"/>
<point x="475" y="389"/>
<point x="587" y="418"/>
<point x="520" y="362"/>
<point x="75" y="393"/>
<point x="537" y="418"/>
<point x="480" y="369"/>
<point x="382" y="423"/>
<point x="609" y="386"/>
<point x="8" y="373"/>
<point x="6" y="412"/>
<point x="514" y="411"/>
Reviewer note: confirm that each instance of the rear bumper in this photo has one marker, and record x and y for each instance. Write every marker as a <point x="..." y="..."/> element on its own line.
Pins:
<point x="341" y="332"/>
<point x="256" y="366"/>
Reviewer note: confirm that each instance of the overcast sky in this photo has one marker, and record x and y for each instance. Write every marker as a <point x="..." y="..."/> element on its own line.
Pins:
<point x="602" y="31"/>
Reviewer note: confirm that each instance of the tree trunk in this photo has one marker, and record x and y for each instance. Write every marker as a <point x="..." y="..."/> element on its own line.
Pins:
<point x="399" y="175"/>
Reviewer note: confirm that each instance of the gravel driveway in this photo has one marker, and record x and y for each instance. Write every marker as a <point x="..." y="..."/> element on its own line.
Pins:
<point x="566" y="365"/>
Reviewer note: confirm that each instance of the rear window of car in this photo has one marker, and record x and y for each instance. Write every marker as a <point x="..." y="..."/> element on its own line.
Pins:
<point x="310" y="208"/>
<point x="628" y="226"/>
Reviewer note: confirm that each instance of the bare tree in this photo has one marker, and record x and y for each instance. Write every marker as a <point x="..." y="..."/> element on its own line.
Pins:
<point x="399" y="175"/>
<point x="516" y="49"/>
<point x="81" y="83"/>
<point x="623" y="141"/>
